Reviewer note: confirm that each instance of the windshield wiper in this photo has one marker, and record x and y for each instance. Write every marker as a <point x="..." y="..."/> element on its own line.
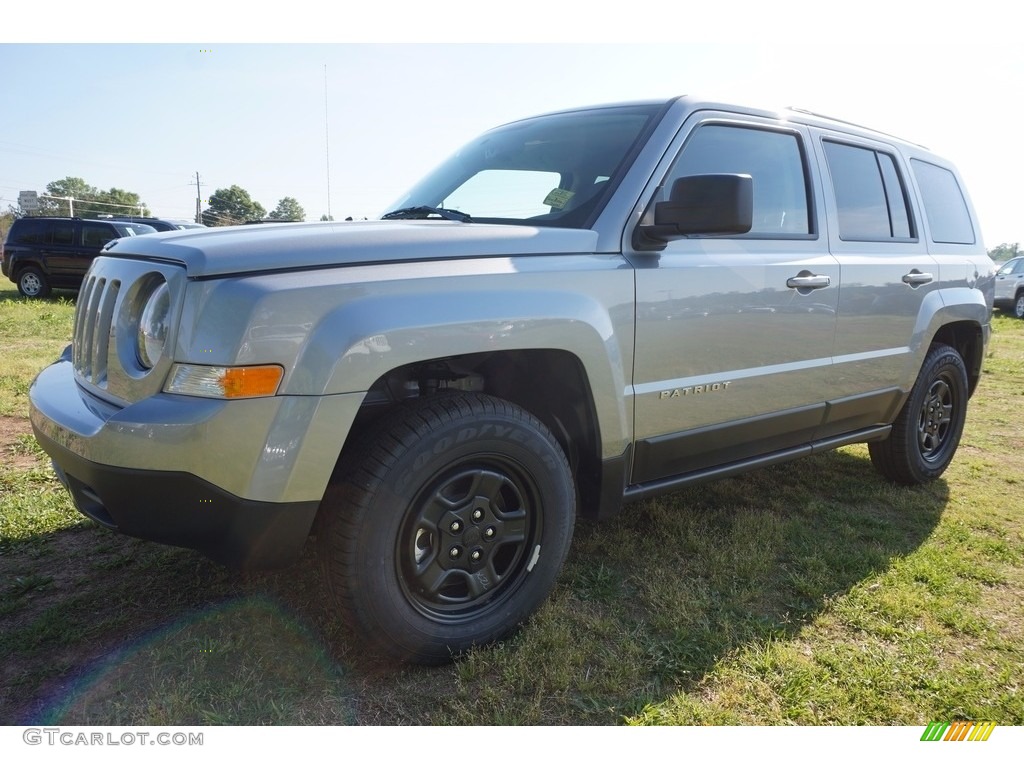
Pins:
<point x="424" y="211"/>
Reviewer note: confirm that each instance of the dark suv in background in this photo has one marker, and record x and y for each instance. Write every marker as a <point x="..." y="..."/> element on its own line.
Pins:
<point x="42" y="252"/>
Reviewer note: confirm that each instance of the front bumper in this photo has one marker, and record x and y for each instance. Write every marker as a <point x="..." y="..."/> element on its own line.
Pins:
<point x="240" y="481"/>
<point x="183" y="510"/>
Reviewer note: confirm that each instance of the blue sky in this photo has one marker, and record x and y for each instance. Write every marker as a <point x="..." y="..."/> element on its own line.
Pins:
<point x="146" y="116"/>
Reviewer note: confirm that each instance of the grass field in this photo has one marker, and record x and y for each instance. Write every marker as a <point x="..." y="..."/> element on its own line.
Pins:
<point x="811" y="593"/>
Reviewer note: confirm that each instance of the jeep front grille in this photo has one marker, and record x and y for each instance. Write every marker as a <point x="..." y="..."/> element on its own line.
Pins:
<point x="93" y="325"/>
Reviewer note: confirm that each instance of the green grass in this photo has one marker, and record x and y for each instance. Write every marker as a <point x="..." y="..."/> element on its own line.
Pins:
<point x="809" y="593"/>
<point x="33" y="333"/>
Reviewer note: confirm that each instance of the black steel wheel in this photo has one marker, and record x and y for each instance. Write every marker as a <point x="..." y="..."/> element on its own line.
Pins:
<point x="447" y="527"/>
<point x="927" y="431"/>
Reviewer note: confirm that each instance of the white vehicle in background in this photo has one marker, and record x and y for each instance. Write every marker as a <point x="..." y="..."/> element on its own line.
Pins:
<point x="1009" y="295"/>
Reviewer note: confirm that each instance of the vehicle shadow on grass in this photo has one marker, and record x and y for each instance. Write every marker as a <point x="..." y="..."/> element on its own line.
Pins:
<point x="118" y="631"/>
<point x="696" y="576"/>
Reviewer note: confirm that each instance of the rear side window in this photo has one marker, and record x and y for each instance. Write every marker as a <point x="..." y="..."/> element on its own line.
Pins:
<point x="869" y="193"/>
<point x="949" y="221"/>
<point x="775" y="161"/>
<point x="63" y="233"/>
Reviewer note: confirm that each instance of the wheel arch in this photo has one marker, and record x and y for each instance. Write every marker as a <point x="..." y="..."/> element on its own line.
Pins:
<point x="968" y="339"/>
<point x="551" y="384"/>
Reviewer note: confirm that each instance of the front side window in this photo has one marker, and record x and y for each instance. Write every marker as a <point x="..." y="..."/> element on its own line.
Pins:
<point x="1011" y="267"/>
<point x="97" y="235"/>
<point x="869" y="193"/>
<point x="944" y="204"/>
<point x="556" y="170"/>
<point x="773" y="159"/>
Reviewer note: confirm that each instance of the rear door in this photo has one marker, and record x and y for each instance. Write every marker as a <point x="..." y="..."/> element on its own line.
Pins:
<point x="888" y="275"/>
<point x="59" y="252"/>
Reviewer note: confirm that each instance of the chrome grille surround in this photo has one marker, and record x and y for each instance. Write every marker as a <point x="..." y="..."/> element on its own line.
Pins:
<point x="93" y="329"/>
<point x="110" y="303"/>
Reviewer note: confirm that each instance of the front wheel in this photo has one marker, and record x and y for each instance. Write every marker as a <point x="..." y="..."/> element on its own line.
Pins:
<point x="447" y="526"/>
<point x="927" y="431"/>
<point x="1018" y="306"/>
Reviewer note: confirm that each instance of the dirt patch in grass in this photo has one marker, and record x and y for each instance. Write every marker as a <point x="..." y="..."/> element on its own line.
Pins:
<point x="14" y="435"/>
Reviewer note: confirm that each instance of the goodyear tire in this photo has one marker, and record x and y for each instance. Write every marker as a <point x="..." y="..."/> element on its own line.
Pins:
<point x="447" y="526"/>
<point x="927" y="431"/>
<point x="32" y="283"/>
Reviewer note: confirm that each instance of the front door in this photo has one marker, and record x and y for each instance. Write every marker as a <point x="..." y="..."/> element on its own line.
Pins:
<point x="734" y="335"/>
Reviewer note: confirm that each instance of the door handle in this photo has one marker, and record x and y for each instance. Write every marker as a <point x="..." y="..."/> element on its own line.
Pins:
<point x="915" y="278"/>
<point x="809" y="282"/>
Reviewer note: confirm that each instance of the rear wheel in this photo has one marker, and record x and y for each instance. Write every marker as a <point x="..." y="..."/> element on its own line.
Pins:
<point x="33" y="284"/>
<point x="927" y="431"/>
<point x="448" y="526"/>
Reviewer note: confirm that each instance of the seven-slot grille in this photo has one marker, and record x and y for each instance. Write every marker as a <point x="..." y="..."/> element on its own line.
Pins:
<point x="93" y="324"/>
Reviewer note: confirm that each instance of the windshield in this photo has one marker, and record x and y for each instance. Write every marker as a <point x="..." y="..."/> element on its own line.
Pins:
<point x="557" y="170"/>
<point x="129" y="230"/>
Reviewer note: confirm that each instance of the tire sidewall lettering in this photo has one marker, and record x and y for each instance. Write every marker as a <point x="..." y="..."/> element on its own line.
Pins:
<point x="467" y="435"/>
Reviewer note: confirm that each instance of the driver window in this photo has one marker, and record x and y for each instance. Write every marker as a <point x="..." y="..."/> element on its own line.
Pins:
<point x="773" y="159"/>
<point x="96" y="236"/>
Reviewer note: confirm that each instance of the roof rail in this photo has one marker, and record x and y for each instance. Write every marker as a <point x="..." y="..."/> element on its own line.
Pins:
<point x="812" y="113"/>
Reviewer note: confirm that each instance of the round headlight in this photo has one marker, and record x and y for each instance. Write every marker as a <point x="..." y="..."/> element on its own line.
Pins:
<point x="152" y="333"/>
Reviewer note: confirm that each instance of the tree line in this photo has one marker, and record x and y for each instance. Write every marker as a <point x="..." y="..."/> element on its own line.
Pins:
<point x="231" y="205"/>
<point x="1004" y="252"/>
<point x="234" y="205"/>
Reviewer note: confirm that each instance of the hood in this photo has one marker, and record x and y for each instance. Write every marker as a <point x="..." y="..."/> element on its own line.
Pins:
<point x="265" y="247"/>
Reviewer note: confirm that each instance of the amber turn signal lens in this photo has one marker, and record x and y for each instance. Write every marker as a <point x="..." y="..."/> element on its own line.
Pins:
<point x="260" y="381"/>
<point x="224" y="382"/>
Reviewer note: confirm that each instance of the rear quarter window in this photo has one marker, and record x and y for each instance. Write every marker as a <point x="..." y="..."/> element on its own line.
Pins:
<point x="945" y="208"/>
<point x="29" y="232"/>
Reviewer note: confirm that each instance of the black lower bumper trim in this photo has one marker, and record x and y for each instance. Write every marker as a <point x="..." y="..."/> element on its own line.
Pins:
<point x="181" y="509"/>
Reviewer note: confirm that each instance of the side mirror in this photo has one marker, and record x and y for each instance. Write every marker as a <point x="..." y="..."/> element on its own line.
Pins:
<point x="712" y="204"/>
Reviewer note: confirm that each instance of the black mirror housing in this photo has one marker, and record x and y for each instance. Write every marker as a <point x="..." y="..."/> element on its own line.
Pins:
<point x="711" y="204"/>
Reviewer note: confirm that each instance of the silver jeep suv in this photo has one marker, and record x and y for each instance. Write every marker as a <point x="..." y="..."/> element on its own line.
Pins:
<point x="1009" y="293"/>
<point x="576" y="310"/>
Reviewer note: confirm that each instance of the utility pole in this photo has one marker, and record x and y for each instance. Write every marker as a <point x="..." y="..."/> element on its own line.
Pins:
<point x="199" y="201"/>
